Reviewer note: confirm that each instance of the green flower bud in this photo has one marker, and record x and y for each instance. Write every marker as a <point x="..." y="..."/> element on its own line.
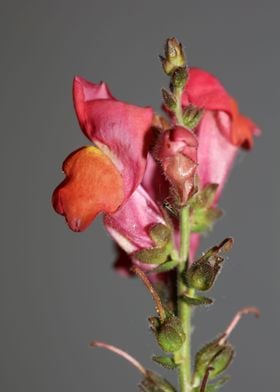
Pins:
<point x="174" y="56"/>
<point x="170" y="334"/>
<point x="215" y="356"/>
<point x="169" y="99"/>
<point x="179" y="78"/>
<point x="192" y="116"/>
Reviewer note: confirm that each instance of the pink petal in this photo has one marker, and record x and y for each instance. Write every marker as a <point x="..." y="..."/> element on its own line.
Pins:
<point x="215" y="153"/>
<point x="203" y="90"/>
<point x="120" y="130"/>
<point x="154" y="181"/>
<point x="129" y="226"/>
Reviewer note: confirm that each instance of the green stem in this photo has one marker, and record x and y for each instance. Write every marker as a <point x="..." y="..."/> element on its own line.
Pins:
<point x="183" y="356"/>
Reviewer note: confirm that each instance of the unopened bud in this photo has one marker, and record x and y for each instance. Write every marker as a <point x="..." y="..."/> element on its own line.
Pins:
<point x="169" y="99"/>
<point x="192" y="117"/>
<point x="179" y="78"/>
<point x="174" y="56"/>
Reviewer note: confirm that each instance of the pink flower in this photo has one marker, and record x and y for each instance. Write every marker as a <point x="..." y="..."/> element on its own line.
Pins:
<point x="222" y="129"/>
<point x="103" y="177"/>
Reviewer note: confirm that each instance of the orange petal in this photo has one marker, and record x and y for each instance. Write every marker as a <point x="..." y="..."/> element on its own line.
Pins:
<point x="242" y="128"/>
<point x="92" y="185"/>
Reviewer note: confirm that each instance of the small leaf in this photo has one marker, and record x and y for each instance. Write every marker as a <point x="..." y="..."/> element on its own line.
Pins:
<point x="155" y="383"/>
<point x="205" y="197"/>
<point x="167" y="266"/>
<point x="166" y="362"/>
<point x="204" y="218"/>
<point x="196" y="301"/>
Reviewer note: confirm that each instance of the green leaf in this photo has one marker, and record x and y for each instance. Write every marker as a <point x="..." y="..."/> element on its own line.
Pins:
<point x="205" y="197"/>
<point x="166" y="362"/>
<point x="196" y="301"/>
<point x="167" y="266"/>
<point x="204" y="218"/>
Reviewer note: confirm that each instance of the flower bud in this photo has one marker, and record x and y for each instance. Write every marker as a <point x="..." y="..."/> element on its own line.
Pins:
<point x="179" y="78"/>
<point x="215" y="356"/>
<point x="174" y="56"/>
<point x="169" y="334"/>
<point x="176" y="150"/>
<point x="192" y="116"/>
<point x="169" y="99"/>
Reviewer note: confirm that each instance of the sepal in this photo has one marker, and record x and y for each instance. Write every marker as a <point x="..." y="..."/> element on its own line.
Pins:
<point x="213" y="355"/>
<point x="155" y="383"/>
<point x="213" y="387"/>
<point x="203" y="214"/>
<point x="161" y="236"/>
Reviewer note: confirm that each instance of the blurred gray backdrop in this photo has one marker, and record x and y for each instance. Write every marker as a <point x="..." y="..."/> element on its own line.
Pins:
<point x="57" y="288"/>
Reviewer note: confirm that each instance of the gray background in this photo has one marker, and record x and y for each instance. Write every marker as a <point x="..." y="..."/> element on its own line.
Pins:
<point x="57" y="289"/>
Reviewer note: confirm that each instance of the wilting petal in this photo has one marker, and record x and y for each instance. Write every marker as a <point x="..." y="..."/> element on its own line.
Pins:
<point x="120" y="130"/>
<point x="215" y="153"/>
<point x="130" y="225"/>
<point x="92" y="185"/>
